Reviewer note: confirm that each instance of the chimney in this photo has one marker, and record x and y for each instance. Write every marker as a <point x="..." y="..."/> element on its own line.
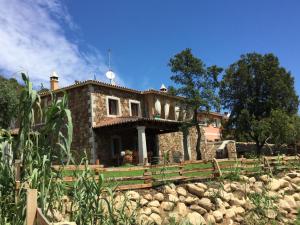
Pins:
<point x="53" y="81"/>
<point x="163" y="88"/>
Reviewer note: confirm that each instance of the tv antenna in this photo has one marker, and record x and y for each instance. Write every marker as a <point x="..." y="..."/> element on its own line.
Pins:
<point x="110" y="74"/>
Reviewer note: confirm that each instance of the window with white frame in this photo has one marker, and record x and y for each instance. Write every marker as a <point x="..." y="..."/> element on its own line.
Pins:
<point x="113" y="106"/>
<point x="135" y="108"/>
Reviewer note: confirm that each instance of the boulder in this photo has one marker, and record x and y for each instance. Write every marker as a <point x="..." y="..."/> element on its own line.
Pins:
<point x="181" y="198"/>
<point x="154" y="203"/>
<point x="173" y="198"/>
<point x="146" y="211"/>
<point x="296" y="180"/>
<point x="198" y="209"/>
<point x="155" y="210"/>
<point x="201" y="185"/>
<point x="181" y="209"/>
<point x="274" y="184"/>
<point x="156" y="218"/>
<point x="148" y="197"/>
<point x="195" y="190"/>
<point x="210" y="219"/>
<point x="237" y="202"/>
<point x="238" y="210"/>
<point x="132" y="195"/>
<point x="205" y="203"/>
<point x="143" y="202"/>
<point x="230" y="213"/>
<point x="159" y="197"/>
<point x="218" y="216"/>
<point x="252" y="179"/>
<point x="191" y="200"/>
<point x="284" y="205"/>
<point x="265" y="178"/>
<point x="144" y="219"/>
<point x="271" y="214"/>
<point x="291" y="201"/>
<point x="167" y="206"/>
<point x="181" y="191"/>
<point x="168" y="189"/>
<point x="195" y="218"/>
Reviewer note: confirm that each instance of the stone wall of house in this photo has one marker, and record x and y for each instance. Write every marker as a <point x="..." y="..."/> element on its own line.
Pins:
<point x="171" y="143"/>
<point x="78" y="101"/>
<point x="99" y="103"/>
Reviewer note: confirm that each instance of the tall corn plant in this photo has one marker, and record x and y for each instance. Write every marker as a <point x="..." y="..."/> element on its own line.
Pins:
<point x="36" y="148"/>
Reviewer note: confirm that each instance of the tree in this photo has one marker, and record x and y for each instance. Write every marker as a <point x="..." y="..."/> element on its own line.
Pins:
<point x="9" y="99"/>
<point x="251" y="89"/>
<point x="197" y="84"/>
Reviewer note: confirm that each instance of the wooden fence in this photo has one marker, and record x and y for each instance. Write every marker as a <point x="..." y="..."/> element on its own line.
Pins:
<point x="138" y="177"/>
<point x="149" y="176"/>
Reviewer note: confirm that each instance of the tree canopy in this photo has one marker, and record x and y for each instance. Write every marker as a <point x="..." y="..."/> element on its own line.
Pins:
<point x="197" y="83"/>
<point x="9" y="98"/>
<point x="252" y="89"/>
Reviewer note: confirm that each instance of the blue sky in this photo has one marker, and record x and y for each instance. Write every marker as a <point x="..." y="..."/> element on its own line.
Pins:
<point x="143" y="35"/>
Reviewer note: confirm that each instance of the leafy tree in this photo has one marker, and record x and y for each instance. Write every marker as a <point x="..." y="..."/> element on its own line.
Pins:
<point x="9" y="99"/>
<point x="251" y="89"/>
<point x="197" y="83"/>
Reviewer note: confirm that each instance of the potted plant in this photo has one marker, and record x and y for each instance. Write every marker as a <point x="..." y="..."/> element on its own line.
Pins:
<point x="128" y="157"/>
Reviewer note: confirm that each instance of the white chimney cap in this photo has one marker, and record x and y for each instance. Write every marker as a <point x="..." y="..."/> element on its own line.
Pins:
<point x="54" y="74"/>
<point x="163" y="88"/>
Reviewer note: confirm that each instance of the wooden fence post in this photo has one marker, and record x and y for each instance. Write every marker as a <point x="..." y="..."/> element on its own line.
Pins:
<point x="147" y="176"/>
<point x="267" y="165"/>
<point x="17" y="178"/>
<point x="217" y="171"/>
<point x="181" y="168"/>
<point x="31" y="206"/>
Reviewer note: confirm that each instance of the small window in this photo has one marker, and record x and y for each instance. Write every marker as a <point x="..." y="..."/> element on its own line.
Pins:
<point x="113" y="108"/>
<point x="134" y="109"/>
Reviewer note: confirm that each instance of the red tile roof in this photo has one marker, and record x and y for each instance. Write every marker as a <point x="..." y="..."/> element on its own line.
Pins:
<point x="111" y="121"/>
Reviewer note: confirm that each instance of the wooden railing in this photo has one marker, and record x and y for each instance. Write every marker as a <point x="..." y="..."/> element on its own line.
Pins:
<point x="148" y="176"/>
<point x="138" y="177"/>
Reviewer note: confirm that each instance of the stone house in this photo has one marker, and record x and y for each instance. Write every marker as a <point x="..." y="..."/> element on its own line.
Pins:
<point x="109" y="119"/>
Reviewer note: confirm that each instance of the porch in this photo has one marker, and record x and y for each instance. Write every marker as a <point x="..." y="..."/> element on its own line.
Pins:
<point x="139" y="135"/>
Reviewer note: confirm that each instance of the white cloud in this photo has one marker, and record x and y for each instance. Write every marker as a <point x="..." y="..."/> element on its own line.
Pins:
<point x="32" y="38"/>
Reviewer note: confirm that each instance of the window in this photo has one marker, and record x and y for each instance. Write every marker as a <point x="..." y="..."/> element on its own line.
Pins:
<point x="113" y="106"/>
<point x="134" y="107"/>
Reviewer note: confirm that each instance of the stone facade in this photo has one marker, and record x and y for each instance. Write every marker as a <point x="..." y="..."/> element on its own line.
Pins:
<point x="88" y="104"/>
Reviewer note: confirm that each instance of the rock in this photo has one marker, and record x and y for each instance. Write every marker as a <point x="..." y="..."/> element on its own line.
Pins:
<point x="154" y="203"/>
<point x="296" y="180"/>
<point x="227" y="187"/>
<point x="155" y="210"/>
<point x="146" y="211"/>
<point x="174" y="217"/>
<point x="265" y="178"/>
<point x="148" y="197"/>
<point x="292" y="175"/>
<point x="295" y="187"/>
<point x="144" y="219"/>
<point x="201" y="185"/>
<point x="274" y="184"/>
<point x="156" y="218"/>
<point x="191" y="200"/>
<point x="173" y="198"/>
<point x="271" y="214"/>
<point x="237" y="202"/>
<point x="169" y="190"/>
<point x="195" y="218"/>
<point x="195" y="190"/>
<point x="296" y="196"/>
<point x="230" y="213"/>
<point x="64" y="223"/>
<point x="290" y="200"/>
<point x="132" y="195"/>
<point x="131" y="206"/>
<point x="143" y="202"/>
<point x="167" y="206"/>
<point x="284" y="205"/>
<point x="209" y="218"/>
<point x="181" y="198"/>
<point x="239" y="219"/>
<point x="159" y="197"/>
<point x="205" y="203"/>
<point x="218" y="216"/>
<point x="181" y="191"/>
<point x="244" y="178"/>
<point x="225" y="196"/>
<point x="238" y="210"/>
<point x="198" y="209"/>
<point x="181" y="209"/>
<point x="252" y="179"/>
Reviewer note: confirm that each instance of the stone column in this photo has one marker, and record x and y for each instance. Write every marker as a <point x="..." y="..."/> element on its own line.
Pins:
<point x="187" y="155"/>
<point x="142" y="145"/>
